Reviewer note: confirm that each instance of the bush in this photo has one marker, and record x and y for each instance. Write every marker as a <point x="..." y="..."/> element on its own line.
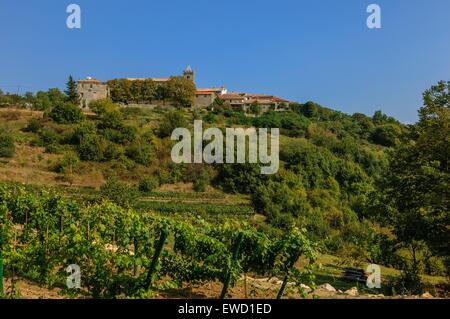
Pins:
<point x="201" y="182"/>
<point x="7" y="147"/>
<point x="34" y="126"/>
<point x="66" y="113"/>
<point x="171" y="121"/>
<point x="148" y="184"/>
<point x="48" y="136"/>
<point x="409" y="282"/>
<point x="68" y="165"/>
<point x="386" y="135"/>
<point x="118" y="192"/>
<point x="91" y="148"/>
<point x="112" y="151"/>
<point x="103" y="106"/>
<point x="140" y="153"/>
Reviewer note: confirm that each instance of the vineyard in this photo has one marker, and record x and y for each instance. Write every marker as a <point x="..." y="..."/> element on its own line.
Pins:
<point x="123" y="253"/>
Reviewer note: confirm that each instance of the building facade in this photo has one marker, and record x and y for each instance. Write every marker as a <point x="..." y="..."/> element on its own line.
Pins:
<point x="90" y="90"/>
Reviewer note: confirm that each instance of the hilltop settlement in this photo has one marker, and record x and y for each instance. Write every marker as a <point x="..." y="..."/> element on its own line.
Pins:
<point x="149" y="92"/>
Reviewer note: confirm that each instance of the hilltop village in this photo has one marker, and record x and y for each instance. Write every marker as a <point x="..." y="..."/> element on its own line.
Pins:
<point x="153" y="91"/>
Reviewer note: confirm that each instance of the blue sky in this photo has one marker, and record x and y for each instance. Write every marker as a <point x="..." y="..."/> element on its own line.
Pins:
<point x="302" y="50"/>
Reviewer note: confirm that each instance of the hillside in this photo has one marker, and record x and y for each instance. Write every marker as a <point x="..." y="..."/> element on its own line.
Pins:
<point x="332" y="166"/>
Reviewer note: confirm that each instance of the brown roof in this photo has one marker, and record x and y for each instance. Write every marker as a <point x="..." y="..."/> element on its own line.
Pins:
<point x="261" y="101"/>
<point x="205" y="92"/>
<point x="210" y="89"/>
<point x="90" y="80"/>
<point x="278" y="99"/>
<point x="231" y="96"/>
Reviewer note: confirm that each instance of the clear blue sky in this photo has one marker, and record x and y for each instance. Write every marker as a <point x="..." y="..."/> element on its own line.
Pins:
<point x="302" y="50"/>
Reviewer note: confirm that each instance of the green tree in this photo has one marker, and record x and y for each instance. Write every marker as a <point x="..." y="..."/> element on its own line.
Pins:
<point x="255" y="108"/>
<point x="66" y="113"/>
<point x="386" y="134"/>
<point x="148" y="90"/>
<point x="171" y="120"/>
<point x="71" y="91"/>
<point x="418" y="179"/>
<point x="162" y="93"/>
<point x="181" y="91"/>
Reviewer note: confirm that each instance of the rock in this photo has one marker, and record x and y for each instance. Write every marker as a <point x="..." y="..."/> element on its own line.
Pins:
<point x="380" y="296"/>
<point x="339" y="291"/>
<point x="426" y="295"/>
<point x="327" y="287"/>
<point x="305" y="287"/>
<point x="352" y="291"/>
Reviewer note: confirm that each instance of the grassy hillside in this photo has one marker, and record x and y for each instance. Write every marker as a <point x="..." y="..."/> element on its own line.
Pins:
<point x="331" y="165"/>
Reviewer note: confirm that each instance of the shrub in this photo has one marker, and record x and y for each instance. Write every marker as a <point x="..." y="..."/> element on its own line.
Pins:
<point x="66" y="113"/>
<point x="201" y="182"/>
<point x="386" y="135"/>
<point x="91" y="148"/>
<point x="148" y="184"/>
<point x="140" y="153"/>
<point x="171" y="121"/>
<point x="48" y="136"/>
<point x="118" y="192"/>
<point x="210" y="118"/>
<point x="68" y="165"/>
<point x="7" y="147"/>
<point x="33" y="126"/>
<point x="409" y="282"/>
<point x="103" y="106"/>
<point x="112" y="151"/>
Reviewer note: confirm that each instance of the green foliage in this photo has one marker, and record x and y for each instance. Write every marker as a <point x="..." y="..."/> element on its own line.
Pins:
<point x="386" y="135"/>
<point x="239" y="178"/>
<point x="91" y="148"/>
<point x="202" y="181"/>
<point x="48" y="136"/>
<point x="33" y="126"/>
<point x="140" y="152"/>
<point x="148" y="184"/>
<point x="170" y="121"/>
<point x="68" y="164"/>
<point x="103" y="106"/>
<point x="181" y="91"/>
<point x="418" y="177"/>
<point x="7" y="146"/>
<point x="119" y="192"/>
<point x="71" y="91"/>
<point x="66" y="113"/>
<point x="109" y="243"/>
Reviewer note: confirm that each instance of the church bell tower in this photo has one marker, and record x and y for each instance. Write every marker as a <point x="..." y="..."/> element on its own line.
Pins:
<point x="189" y="74"/>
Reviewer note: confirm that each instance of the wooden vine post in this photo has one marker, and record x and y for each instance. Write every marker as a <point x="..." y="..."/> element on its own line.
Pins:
<point x="158" y="249"/>
<point x="1" y="263"/>
<point x="135" y="264"/>
<point x="236" y="249"/>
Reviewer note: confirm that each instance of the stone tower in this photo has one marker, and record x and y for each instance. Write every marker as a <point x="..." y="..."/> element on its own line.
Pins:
<point x="189" y="74"/>
<point x="90" y="90"/>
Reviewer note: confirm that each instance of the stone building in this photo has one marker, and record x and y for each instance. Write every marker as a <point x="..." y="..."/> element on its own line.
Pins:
<point x="91" y="89"/>
<point x="205" y="97"/>
<point x="244" y="101"/>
